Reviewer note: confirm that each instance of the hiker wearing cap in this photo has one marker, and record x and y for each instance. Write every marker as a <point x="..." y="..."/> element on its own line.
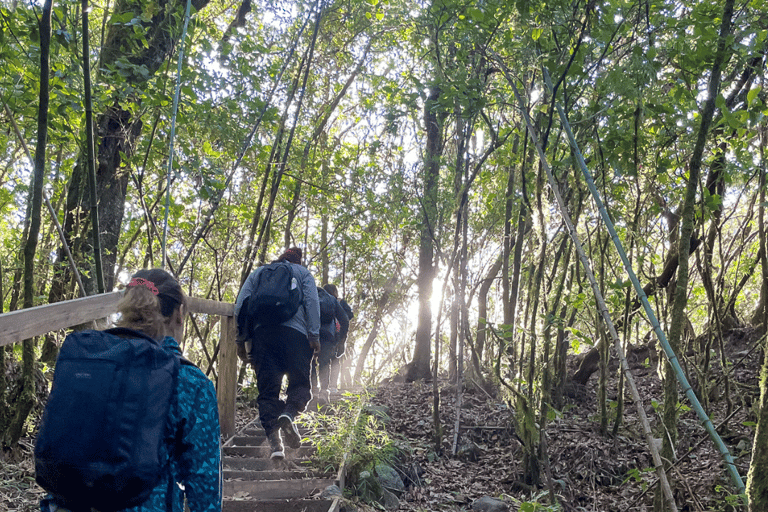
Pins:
<point x="278" y="314"/>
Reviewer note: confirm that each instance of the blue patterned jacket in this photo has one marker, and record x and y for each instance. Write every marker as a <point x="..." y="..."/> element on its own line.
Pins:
<point x="195" y="452"/>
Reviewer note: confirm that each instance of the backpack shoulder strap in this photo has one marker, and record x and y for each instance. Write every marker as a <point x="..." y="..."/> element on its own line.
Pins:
<point x="125" y="332"/>
<point x="186" y="362"/>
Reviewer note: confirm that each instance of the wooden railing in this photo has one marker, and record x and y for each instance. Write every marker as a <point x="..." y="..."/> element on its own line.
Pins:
<point x="37" y="321"/>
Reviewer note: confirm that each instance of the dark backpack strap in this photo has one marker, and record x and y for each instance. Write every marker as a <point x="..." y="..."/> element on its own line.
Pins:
<point x="125" y="332"/>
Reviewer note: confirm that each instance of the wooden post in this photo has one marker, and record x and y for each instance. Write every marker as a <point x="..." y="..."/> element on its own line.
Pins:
<point x="226" y="391"/>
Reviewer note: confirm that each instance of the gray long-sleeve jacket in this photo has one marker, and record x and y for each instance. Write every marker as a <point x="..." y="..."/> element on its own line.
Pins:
<point x="307" y="318"/>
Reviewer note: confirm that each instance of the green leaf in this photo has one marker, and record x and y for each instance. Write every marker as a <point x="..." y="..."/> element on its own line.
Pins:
<point x="208" y="150"/>
<point x="720" y="103"/>
<point x="752" y="94"/>
<point x="536" y="34"/>
<point x="476" y="14"/>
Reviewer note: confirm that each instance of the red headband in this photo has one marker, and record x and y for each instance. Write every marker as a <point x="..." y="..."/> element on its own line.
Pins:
<point x="138" y="281"/>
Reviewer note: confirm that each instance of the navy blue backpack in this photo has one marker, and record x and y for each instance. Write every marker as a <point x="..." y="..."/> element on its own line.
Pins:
<point x="327" y="306"/>
<point x="276" y="297"/>
<point x="101" y="441"/>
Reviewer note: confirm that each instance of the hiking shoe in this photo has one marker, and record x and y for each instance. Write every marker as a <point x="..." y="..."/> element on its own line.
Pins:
<point x="276" y="444"/>
<point x="292" y="436"/>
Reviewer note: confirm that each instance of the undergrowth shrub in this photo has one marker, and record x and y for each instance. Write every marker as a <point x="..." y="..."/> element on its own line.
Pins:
<point x="353" y="428"/>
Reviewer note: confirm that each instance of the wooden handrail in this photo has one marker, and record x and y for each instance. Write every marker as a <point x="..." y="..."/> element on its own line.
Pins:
<point x="27" y="323"/>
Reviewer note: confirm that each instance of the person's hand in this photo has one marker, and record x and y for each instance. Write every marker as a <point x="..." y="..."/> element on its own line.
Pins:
<point x="340" y="348"/>
<point x="314" y="344"/>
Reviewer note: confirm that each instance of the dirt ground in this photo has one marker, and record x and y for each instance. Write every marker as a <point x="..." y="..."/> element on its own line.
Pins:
<point x="589" y="471"/>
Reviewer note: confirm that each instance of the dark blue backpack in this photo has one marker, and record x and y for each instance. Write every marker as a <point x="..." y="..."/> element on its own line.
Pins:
<point x="327" y="306"/>
<point x="101" y="440"/>
<point x="276" y="297"/>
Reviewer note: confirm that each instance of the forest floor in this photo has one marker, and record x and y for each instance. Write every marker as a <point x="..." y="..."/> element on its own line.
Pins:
<point x="589" y="471"/>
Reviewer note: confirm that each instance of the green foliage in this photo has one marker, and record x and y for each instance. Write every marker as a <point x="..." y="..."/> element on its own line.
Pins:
<point x="250" y="392"/>
<point x="350" y="428"/>
<point x="639" y="476"/>
<point x="731" y="501"/>
<point x="632" y="94"/>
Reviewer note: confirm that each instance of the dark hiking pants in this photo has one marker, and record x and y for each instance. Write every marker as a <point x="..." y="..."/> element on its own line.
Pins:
<point x="321" y="367"/>
<point x="281" y="351"/>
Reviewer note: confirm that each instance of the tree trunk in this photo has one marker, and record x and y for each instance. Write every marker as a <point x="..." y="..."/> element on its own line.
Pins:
<point x="433" y="122"/>
<point x="482" y="309"/>
<point x="118" y="131"/>
<point x="382" y="303"/>
<point x="5" y="407"/>
<point x="26" y="394"/>
<point x="508" y="242"/>
<point x="523" y="227"/>
<point x="757" y="478"/>
<point x="678" y="318"/>
<point x="605" y="346"/>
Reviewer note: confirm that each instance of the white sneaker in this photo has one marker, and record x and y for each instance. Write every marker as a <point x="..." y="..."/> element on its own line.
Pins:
<point x="276" y="445"/>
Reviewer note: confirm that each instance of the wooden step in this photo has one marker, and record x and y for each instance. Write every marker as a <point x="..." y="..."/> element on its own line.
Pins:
<point x="244" y="474"/>
<point x="256" y="440"/>
<point x="265" y="451"/>
<point x="277" y="489"/>
<point x="277" y="506"/>
<point x="259" y="432"/>
<point x="263" y="464"/>
<point x="254" y="483"/>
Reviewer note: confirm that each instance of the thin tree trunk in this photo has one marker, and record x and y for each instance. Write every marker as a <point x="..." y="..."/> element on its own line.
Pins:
<point x="482" y="309"/>
<point x="605" y="347"/>
<point x="5" y="407"/>
<point x="523" y="227"/>
<point x="26" y="396"/>
<point x="89" y="142"/>
<point x="252" y="246"/>
<point x="678" y="318"/>
<point x="313" y="140"/>
<point x="420" y="364"/>
<point x="552" y="373"/>
<point x="297" y="111"/>
<point x="757" y="477"/>
<point x="382" y="303"/>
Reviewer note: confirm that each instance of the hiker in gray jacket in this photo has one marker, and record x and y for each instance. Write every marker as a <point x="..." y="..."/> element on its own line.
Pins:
<point x="283" y="349"/>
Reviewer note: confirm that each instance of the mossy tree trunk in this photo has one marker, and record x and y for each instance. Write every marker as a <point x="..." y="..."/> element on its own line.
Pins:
<point x="757" y="478"/>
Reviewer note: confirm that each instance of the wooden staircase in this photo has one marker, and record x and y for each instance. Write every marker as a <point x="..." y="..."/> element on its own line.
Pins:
<point x="253" y="482"/>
